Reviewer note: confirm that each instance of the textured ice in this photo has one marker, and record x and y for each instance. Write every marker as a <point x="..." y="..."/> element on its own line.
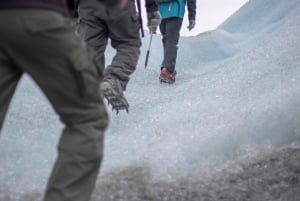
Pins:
<point x="236" y="99"/>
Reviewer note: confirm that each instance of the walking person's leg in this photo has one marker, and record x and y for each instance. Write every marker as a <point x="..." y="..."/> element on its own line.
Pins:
<point x="171" y="37"/>
<point x="170" y="29"/>
<point x="92" y="28"/>
<point x="125" y="38"/>
<point x="123" y="25"/>
<point x="45" y="47"/>
<point x="9" y="78"/>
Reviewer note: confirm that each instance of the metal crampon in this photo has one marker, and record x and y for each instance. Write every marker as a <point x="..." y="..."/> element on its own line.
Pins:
<point x="113" y="93"/>
<point x="118" y="103"/>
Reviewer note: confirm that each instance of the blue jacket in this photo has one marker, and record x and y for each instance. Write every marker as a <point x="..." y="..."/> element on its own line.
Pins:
<point x="176" y="8"/>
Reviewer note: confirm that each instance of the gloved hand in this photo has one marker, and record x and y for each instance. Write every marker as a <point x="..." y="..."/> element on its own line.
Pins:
<point x="192" y="24"/>
<point x="154" y="20"/>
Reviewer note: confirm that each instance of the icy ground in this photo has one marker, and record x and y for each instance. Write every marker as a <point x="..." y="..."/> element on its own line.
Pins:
<point x="228" y="129"/>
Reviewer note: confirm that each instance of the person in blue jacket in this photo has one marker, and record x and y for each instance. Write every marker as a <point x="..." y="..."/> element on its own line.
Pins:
<point x="172" y="13"/>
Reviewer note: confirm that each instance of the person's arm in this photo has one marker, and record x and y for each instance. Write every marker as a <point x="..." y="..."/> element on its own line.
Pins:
<point x="151" y="5"/>
<point x="191" y="6"/>
<point x="153" y="15"/>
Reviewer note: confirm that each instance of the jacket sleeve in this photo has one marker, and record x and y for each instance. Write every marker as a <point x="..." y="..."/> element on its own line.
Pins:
<point x="151" y="5"/>
<point x="191" y="6"/>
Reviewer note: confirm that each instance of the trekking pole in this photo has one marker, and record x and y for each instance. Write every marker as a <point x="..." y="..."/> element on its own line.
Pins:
<point x="140" y="17"/>
<point x="148" y="51"/>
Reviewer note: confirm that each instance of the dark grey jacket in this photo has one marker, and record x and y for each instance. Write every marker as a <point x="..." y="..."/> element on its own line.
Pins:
<point x="57" y="5"/>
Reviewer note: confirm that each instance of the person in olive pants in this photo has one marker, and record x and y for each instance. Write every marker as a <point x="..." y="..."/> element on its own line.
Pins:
<point x="99" y="24"/>
<point x="42" y="44"/>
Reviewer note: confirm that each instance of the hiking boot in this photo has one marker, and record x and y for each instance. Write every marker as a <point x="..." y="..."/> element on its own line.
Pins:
<point x="166" y="76"/>
<point x="113" y="92"/>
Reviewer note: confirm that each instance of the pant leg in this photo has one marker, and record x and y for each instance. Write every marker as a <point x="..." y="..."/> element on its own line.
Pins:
<point x="9" y="78"/>
<point x="45" y="47"/>
<point x="123" y="26"/>
<point x="162" y="28"/>
<point x="98" y="23"/>
<point x="171" y="33"/>
<point x="93" y="29"/>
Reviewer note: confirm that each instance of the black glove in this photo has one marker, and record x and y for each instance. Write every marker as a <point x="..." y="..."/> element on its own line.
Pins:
<point x="154" y="20"/>
<point x="192" y="24"/>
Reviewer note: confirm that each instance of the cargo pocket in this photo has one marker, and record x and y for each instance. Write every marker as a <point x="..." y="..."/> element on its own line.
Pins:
<point x="88" y="74"/>
<point x="135" y="17"/>
<point x="135" y="24"/>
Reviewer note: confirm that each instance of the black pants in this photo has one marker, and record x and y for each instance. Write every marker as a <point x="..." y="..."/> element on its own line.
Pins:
<point x="170" y="30"/>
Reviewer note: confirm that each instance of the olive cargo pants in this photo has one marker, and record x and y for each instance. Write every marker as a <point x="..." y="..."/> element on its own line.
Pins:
<point x="43" y="44"/>
<point x="121" y="25"/>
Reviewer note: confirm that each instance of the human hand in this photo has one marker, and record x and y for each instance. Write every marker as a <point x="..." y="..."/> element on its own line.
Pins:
<point x="191" y="25"/>
<point x="154" y="20"/>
